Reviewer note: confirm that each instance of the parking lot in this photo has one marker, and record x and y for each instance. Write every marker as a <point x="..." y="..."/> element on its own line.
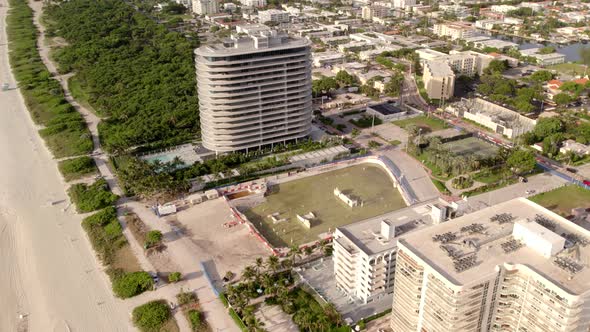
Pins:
<point x="319" y="275"/>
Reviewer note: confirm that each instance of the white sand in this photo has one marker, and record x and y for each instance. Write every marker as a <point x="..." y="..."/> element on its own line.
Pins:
<point x="47" y="268"/>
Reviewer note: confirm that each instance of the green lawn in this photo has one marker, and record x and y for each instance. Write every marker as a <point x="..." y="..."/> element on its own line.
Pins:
<point x="428" y="124"/>
<point x="315" y="194"/>
<point x="568" y="68"/>
<point x="489" y="175"/>
<point x="563" y="200"/>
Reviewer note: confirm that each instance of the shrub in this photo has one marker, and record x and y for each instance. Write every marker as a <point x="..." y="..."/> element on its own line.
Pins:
<point x="174" y="277"/>
<point x="126" y="285"/>
<point x="186" y="298"/>
<point x="75" y="168"/>
<point x="153" y="238"/>
<point x="92" y="197"/>
<point x="196" y="319"/>
<point x="462" y="182"/>
<point x="151" y="316"/>
<point x="374" y="144"/>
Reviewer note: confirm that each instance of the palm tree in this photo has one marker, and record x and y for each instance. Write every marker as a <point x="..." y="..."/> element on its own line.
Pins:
<point x="259" y="263"/>
<point x="272" y="263"/>
<point x="332" y="314"/>
<point x="287" y="263"/>
<point x="294" y="253"/>
<point x="249" y="273"/>
<point x="308" y="250"/>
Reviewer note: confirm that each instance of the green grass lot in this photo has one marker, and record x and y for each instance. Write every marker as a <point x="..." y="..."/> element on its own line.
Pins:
<point x="315" y="193"/>
<point x="568" y="68"/>
<point x="428" y="124"/>
<point x="563" y="200"/>
<point x="472" y="146"/>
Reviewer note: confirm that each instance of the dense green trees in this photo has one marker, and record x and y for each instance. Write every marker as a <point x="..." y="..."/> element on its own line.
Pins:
<point x="496" y="67"/>
<point x="344" y="79"/>
<point x="541" y="76"/>
<point x="562" y="99"/>
<point x="138" y="75"/>
<point x="521" y="161"/>
<point x="323" y="85"/>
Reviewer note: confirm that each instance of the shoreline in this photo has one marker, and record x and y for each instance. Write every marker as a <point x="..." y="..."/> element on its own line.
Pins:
<point x="52" y="277"/>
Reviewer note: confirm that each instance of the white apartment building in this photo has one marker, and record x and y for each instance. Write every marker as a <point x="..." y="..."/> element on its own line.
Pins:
<point x="515" y="266"/>
<point x="439" y="79"/>
<point x="403" y="4"/>
<point x="502" y="8"/>
<point x="253" y="3"/>
<point x="364" y="252"/>
<point x="454" y="30"/>
<point x="273" y="15"/>
<point x="254" y="91"/>
<point x="205" y="7"/>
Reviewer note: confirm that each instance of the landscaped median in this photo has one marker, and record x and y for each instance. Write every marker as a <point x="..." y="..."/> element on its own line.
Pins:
<point x="64" y="129"/>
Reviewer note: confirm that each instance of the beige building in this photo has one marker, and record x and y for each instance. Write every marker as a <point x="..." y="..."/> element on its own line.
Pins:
<point x="455" y="30"/>
<point x="515" y="266"/>
<point x="254" y="91"/>
<point x="439" y="79"/>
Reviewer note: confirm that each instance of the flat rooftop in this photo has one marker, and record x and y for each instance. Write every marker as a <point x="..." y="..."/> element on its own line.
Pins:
<point x="246" y="45"/>
<point x="364" y="235"/>
<point x="386" y="108"/>
<point x="487" y="235"/>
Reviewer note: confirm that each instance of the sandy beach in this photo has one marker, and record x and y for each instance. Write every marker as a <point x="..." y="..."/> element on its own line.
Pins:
<point x="48" y="270"/>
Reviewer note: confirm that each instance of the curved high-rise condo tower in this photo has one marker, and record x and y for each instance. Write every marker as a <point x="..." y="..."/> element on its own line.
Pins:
<point x="254" y="91"/>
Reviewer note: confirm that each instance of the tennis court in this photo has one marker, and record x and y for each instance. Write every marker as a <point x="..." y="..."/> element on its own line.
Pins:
<point x="472" y="146"/>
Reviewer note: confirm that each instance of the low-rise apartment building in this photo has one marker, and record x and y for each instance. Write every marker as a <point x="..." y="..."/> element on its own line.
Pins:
<point x="515" y="266"/>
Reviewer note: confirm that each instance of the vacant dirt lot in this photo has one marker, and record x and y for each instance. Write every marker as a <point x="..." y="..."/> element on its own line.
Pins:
<point x="231" y="249"/>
